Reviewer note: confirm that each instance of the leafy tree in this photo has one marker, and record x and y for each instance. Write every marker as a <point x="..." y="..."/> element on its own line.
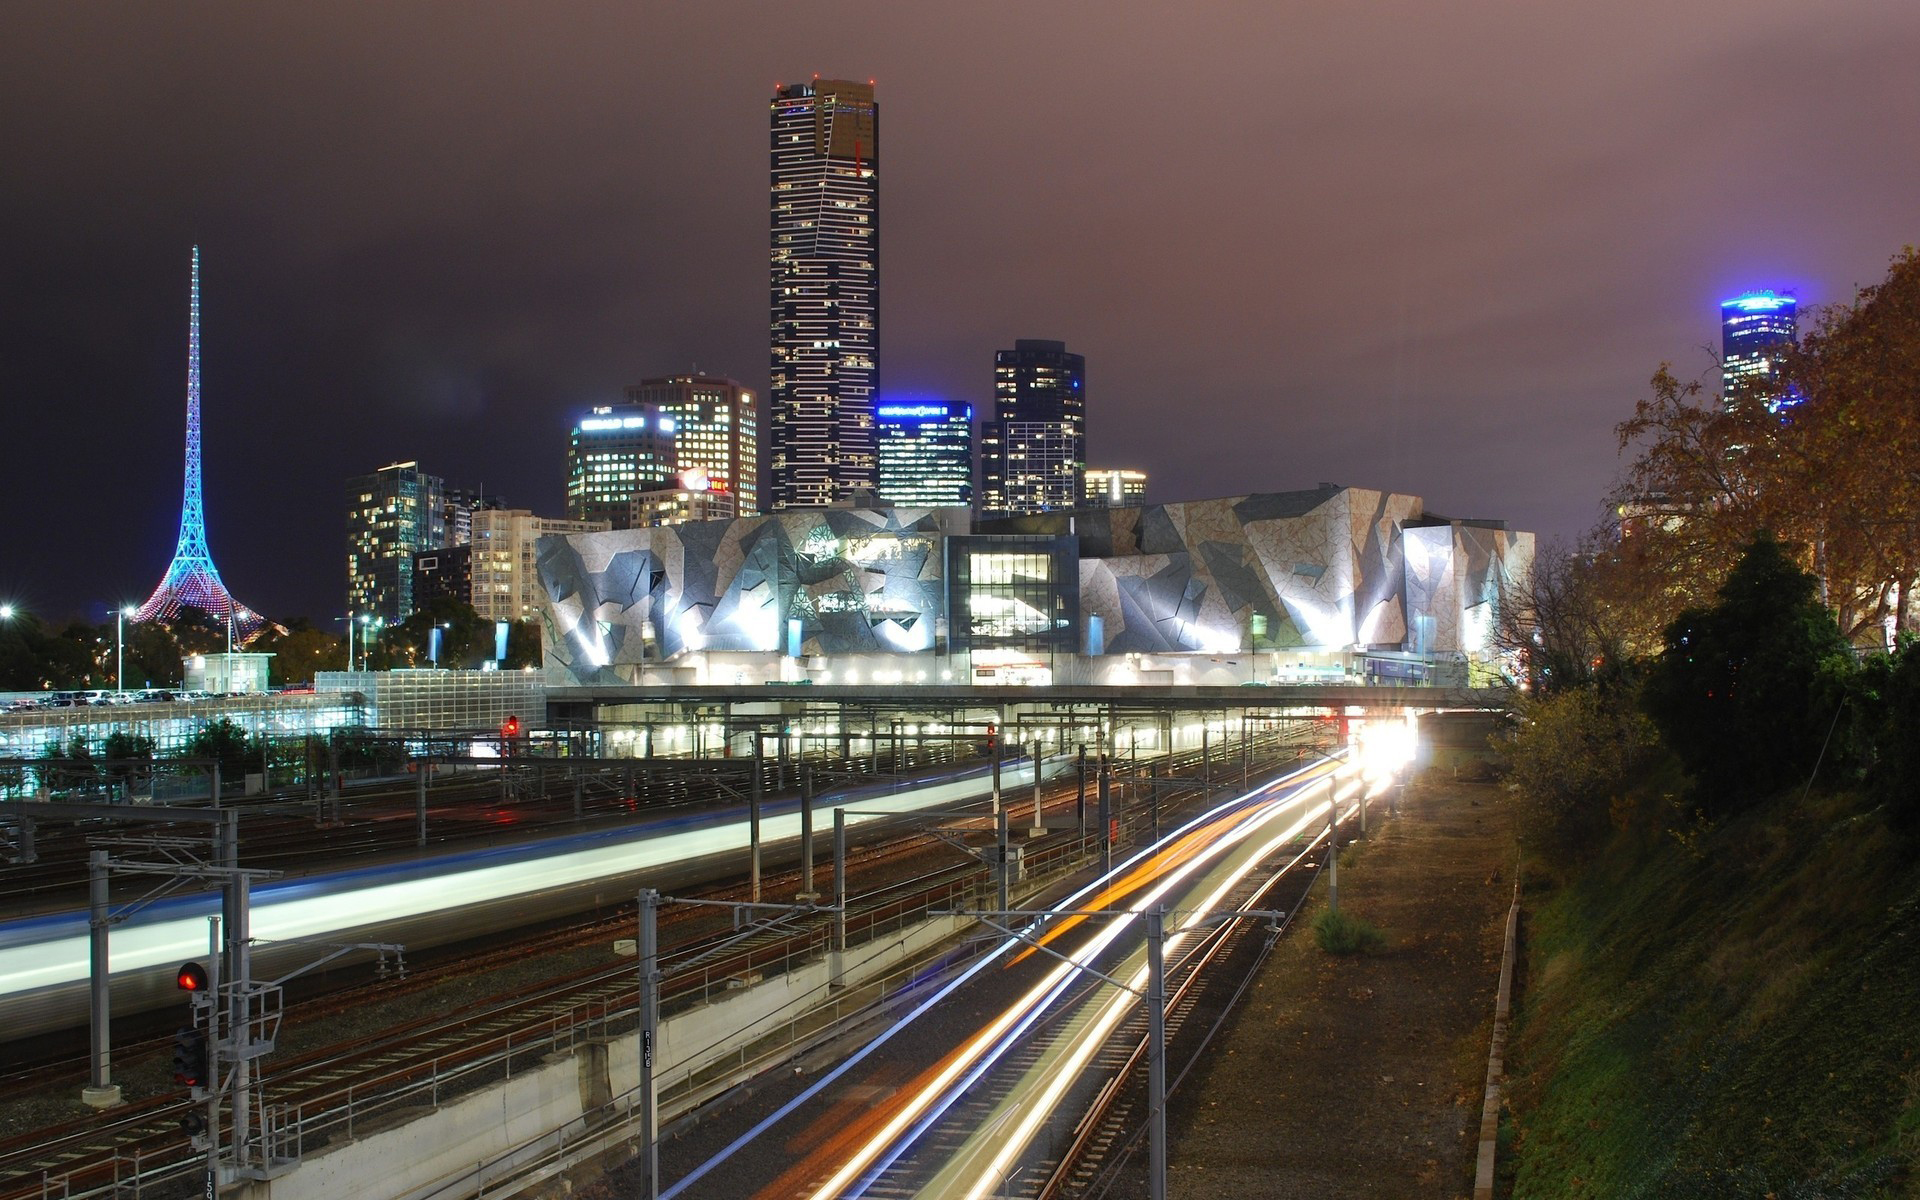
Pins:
<point x="130" y="756"/>
<point x="524" y="647"/>
<point x="1570" y="753"/>
<point x="1745" y="691"/>
<point x="154" y="658"/>
<point x="300" y="651"/>
<point x="227" y="742"/>
<point x="1559" y="624"/>
<point x="465" y="638"/>
<point x="1853" y="456"/>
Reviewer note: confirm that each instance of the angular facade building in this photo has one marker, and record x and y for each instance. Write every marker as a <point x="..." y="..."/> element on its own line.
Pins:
<point x="825" y="293"/>
<point x="925" y="453"/>
<point x="1273" y="587"/>
<point x="716" y="431"/>
<point x="1033" y="450"/>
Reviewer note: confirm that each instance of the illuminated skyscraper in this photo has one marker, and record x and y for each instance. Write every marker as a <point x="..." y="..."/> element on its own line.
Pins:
<point x="825" y="318"/>
<point x="1753" y="328"/>
<point x="1113" y="487"/>
<point x="392" y="514"/>
<point x="192" y="581"/>
<point x="926" y="454"/>
<point x="1033" y="452"/>
<point x="716" y="431"/>
<point x="617" y="452"/>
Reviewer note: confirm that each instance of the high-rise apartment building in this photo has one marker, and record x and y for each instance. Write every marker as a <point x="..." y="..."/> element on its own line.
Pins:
<point x="1754" y="327"/>
<point x="506" y="576"/>
<point x="1113" y="487"/>
<point x="1033" y="451"/>
<point x="716" y="430"/>
<point x="825" y="315"/>
<point x="391" y="513"/>
<point x="615" y="453"/>
<point x="458" y="505"/>
<point x="925" y="453"/>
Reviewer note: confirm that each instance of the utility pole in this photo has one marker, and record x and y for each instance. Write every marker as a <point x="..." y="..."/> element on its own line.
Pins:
<point x="1157" y="1051"/>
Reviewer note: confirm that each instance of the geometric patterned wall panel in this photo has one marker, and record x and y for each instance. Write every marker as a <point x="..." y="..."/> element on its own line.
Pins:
<point x="858" y="581"/>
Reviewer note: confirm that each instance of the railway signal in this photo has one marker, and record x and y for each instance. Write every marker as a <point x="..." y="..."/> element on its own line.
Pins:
<point x="192" y="978"/>
<point x="190" y="1057"/>
<point x="509" y="734"/>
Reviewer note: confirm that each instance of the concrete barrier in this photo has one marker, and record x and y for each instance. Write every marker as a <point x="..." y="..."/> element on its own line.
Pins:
<point x="1497" y="1055"/>
<point x="456" y="1149"/>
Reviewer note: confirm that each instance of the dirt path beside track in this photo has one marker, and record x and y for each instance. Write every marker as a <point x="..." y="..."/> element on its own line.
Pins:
<point x="1362" y="1076"/>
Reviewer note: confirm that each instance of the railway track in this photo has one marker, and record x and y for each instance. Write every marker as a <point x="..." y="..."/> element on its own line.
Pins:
<point x="324" y="1093"/>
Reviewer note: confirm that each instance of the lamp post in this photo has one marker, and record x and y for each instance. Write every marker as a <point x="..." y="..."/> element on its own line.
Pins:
<point x="119" y="642"/>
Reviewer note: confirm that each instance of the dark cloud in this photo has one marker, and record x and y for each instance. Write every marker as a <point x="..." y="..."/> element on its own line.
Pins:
<point x="1437" y="248"/>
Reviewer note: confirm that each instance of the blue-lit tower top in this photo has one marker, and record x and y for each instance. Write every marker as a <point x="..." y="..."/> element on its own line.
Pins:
<point x="192" y="581"/>
<point x="1753" y="328"/>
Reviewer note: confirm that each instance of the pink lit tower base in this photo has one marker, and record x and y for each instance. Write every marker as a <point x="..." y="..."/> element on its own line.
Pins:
<point x="192" y="581"/>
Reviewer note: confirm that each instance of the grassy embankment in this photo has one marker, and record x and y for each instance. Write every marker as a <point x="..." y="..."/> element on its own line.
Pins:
<point x="1731" y="1012"/>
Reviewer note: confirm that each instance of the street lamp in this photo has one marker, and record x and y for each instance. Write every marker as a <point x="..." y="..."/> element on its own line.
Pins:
<point x="119" y="642"/>
<point x="6" y="612"/>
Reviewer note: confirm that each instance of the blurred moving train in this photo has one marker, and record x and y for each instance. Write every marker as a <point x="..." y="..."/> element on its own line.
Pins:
<point x="433" y="901"/>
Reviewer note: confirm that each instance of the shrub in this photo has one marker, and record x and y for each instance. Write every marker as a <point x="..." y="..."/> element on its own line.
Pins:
<point x="1340" y="932"/>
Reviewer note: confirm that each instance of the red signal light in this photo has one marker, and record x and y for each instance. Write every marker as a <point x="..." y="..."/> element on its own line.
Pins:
<point x="510" y="727"/>
<point x="192" y="977"/>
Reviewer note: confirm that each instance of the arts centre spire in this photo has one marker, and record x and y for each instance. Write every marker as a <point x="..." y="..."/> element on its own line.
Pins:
<point x="192" y="581"/>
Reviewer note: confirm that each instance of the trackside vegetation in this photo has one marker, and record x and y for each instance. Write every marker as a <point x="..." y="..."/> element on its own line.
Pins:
<point x="1722" y="976"/>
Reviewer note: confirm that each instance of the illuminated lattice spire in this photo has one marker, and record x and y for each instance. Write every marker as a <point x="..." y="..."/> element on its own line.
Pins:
<point x="192" y="581"/>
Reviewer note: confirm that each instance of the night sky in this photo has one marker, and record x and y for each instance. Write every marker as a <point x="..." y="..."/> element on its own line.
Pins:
<point x="1434" y="248"/>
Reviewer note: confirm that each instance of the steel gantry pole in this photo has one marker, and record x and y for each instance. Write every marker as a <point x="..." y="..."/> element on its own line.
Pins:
<point x="101" y="1092"/>
<point x="807" y="894"/>
<point x="1106" y="817"/>
<point x="836" y="965"/>
<point x="649" y="955"/>
<point x="753" y="817"/>
<point x="1157" y="1050"/>
<point x="1333" y="847"/>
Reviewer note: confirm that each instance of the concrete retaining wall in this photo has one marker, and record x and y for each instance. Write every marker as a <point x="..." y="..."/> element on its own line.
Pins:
<point x="436" y="1152"/>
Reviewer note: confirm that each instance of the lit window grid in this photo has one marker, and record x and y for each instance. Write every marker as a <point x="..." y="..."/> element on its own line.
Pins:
<point x="824" y="302"/>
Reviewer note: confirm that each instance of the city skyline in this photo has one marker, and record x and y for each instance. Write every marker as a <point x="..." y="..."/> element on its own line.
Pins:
<point x="1407" y="266"/>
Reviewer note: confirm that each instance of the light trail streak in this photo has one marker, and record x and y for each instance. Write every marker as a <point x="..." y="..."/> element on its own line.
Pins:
<point x="1166" y="868"/>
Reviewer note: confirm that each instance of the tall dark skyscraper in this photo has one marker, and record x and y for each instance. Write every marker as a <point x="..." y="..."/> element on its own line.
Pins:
<point x="1753" y="328"/>
<point x="825" y="258"/>
<point x="1033" y="451"/>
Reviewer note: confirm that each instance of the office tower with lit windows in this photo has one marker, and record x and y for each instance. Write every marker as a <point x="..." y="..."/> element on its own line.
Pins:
<point x="391" y="513"/>
<point x="716" y="433"/>
<point x="825" y="315"/>
<point x="615" y="453"/>
<point x="1754" y="328"/>
<point x="505" y="573"/>
<point x="925" y="450"/>
<point x="1113" y="487"/>
<point x="1033" y="451"/>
